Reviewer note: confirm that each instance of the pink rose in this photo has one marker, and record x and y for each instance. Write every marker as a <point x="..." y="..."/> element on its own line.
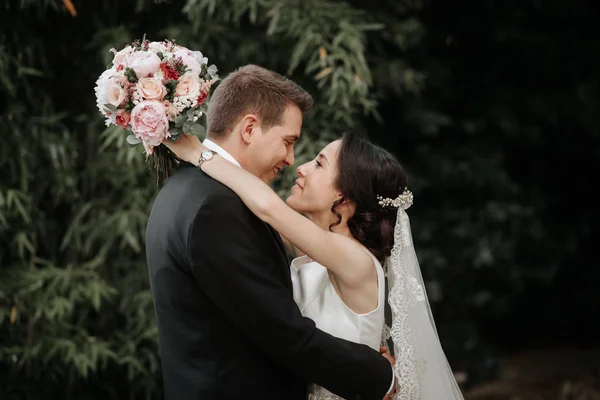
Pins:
<point x="149" y="122"/>
<point x="144" y="63"/>
<point x="189" y="60"/>
<point x="188" y="86"/>
<point x="115" y="93"/>
<point x="122" y="119"/>
<point x="151" y="88"/>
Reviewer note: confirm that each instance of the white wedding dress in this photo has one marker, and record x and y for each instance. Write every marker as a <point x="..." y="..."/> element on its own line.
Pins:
<point x="421" y="367"/>
<point x="317" y="299"/>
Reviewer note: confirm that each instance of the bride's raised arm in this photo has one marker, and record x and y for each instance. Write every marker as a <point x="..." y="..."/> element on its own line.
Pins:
<point x="341" y="255"/>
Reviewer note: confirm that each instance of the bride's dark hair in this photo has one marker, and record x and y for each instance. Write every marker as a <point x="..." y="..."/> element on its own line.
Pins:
<point x="366" y="171"/>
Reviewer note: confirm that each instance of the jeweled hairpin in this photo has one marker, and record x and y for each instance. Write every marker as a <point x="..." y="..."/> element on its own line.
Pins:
<point x="404" y="200"/>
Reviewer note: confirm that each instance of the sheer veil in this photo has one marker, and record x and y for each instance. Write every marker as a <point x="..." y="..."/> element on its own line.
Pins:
<point x="421" y="368"/>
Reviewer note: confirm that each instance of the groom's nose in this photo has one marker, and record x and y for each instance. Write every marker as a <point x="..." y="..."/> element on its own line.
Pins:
<point x="289" y="157"/>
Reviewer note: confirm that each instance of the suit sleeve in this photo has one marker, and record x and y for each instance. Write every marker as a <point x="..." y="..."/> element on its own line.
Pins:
<point x="231" y="253"/>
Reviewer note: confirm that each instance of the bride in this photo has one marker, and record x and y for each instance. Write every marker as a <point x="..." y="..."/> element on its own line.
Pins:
<point x="346" y="225"/>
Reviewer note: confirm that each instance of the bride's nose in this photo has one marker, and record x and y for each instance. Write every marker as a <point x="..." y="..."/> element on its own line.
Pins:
<point x="301" y="170"/>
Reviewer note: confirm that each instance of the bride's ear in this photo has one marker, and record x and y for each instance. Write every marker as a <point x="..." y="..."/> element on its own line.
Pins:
<point x="345" y="204"/>
<point x="345" y="200"/>
<point x="249" y="127"/>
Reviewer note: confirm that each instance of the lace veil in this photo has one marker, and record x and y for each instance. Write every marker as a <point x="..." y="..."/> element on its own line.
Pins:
<point x="421" y="368"/>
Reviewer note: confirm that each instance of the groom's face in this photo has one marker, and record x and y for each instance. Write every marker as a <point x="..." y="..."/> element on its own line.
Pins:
<point x="272" y="150"/>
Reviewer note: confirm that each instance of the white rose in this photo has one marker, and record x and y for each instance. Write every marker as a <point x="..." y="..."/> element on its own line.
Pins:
<point x="188" y="86"/>
<point x="189" y="60"/>
<point x="151" y="88"/>
<point x="157" y="47"/>
<point x="144" y="63"/>
<point x="121" y="56"/>
<point x="109" y="90"/>
<point x="200" y="58"/>
<point x="100" y="89"/>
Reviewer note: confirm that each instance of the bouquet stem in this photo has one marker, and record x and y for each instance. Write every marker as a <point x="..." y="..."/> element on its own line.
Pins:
<point x="163" y="161"/>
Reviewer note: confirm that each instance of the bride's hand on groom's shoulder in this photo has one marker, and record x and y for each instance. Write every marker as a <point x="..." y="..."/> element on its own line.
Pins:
<point x="186" y="147"/>
<point x="385" y="352"/>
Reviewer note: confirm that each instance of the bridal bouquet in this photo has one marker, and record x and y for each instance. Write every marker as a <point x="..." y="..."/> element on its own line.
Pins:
<point x="155" y="90"/>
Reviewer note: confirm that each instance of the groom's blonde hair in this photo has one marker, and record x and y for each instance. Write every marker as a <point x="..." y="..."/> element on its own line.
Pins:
<point x="256" y="90"/>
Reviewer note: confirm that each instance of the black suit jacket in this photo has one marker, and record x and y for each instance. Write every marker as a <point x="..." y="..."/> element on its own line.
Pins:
<point x="227" y="323"/>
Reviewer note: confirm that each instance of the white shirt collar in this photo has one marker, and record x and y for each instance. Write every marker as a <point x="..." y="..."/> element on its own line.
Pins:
<point x="220" y="151"/>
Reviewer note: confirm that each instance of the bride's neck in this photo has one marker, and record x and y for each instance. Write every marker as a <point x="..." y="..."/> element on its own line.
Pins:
<point x="324" y="222"/>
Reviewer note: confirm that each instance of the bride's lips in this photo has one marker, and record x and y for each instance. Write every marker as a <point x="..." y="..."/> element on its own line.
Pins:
<point x="298" y="184"/>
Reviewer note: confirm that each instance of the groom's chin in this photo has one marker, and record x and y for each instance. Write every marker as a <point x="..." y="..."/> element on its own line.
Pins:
<point x="268" y="177"/>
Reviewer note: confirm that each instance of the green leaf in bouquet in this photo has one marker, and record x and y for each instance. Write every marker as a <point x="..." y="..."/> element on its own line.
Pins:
<point x="110" y="107"/>
<point x="203" y="108"/>
<point x="180" y="120"/>
<point x="197" y="129"/>
<point x="131" y="139"/>
<point x="182" y="69"/>
<point x="160" y="55"/>
<point x="175" y="132"/>
<point x="130" y="75"/>
<point x="187" y="126"/>
<point x="171" y="85"/>
<point x="194" y="114"/>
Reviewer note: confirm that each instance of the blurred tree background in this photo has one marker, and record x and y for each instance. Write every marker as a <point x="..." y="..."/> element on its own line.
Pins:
<point x="492" y="107"/>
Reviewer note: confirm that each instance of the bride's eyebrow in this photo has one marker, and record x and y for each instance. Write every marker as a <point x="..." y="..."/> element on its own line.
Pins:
<point x="322" y="156"/>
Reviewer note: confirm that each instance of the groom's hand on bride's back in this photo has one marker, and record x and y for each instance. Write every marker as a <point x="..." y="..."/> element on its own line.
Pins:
<point x="385" y="352"/>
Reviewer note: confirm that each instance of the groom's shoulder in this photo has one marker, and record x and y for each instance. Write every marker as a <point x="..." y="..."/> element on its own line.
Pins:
<point x="190" y="182"/>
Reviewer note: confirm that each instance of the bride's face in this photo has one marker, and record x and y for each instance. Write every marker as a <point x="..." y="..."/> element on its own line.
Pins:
<point x="314" y="192"/>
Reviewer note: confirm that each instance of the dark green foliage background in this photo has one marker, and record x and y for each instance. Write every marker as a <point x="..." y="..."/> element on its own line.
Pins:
<point x="491" y="106"/>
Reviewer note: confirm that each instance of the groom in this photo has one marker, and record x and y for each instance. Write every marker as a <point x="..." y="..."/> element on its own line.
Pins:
<point x="227" y="323"/>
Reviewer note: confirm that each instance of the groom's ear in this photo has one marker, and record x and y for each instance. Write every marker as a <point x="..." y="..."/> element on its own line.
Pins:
<point x="249" y="127"/>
